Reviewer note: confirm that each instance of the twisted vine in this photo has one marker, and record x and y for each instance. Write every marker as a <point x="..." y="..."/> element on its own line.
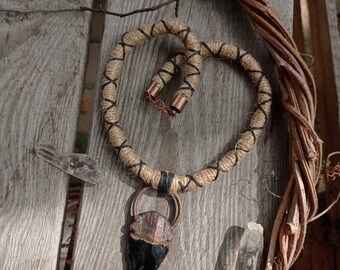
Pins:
<point x="299" y="203"/>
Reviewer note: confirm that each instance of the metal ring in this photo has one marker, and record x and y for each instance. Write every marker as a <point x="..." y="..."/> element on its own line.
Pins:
<point x="174" y="197"/>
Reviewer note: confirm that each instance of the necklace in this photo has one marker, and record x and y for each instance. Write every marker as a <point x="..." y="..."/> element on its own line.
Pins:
<point x="150" y="231"/>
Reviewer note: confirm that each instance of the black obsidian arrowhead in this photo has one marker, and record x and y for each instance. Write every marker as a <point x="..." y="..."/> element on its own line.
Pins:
<point x="145" y="256"/>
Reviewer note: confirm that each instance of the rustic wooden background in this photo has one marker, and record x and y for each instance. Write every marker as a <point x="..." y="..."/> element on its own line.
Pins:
<point x="211" y="122"/>
<point x="42" y="63"/>
<point x="42" y="67"/>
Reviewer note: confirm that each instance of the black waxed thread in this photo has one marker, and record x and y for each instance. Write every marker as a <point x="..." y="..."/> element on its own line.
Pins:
<point x="186" y="88"/>
<point x="120" y="147"/>
<point x="193" y="66"/>
<point x="242" y="55"/>
<point x="186" y="35"/>
<point x="194" y="51"/>
<point x="217" y="54"/>
<point x="217" y="168"/>
<point x="239" y="56"/>
<point x="176" y="66"/>
<point x="124" y="43"/>
<point x="189" y="86"/>
<point x="193" y="74"/>
<point x="105" y="84"/>
<point x="123" y="49"/>
<point x="208" y="48"/>
<point x="220" y="49"/>
<point x="264" y="113"/>
<point x="259" y="82"/>
<point x="160" y="76"/>
<point x="253" y="71"/>
<point x="182" y="31"/>
<point x="144" y="33"/>
<point x="140" y="164"/>
<point x="112" y="124"/>
<point x="116" y="59"/>
<point x="265" y="93"/>
<point x="167" y="72"/>
<point x="140" y="168"/>
<point x="258" y="128"/>
<point x="166" y="26"/>
<point x="165" y="181"/>
<point x="250" y="129"/>
<point x="113" y="81"/>
<point x="152" y="28"/>
<point x="265" y="101"/>
<point x="193" y="179"/>
<point x="191" y="55"/>
<point x="259" y="107"/>
<point x="113" y="104"/>
<point x="236" y="158"/>
<point x="183" y="187"/>
<point x="242" y="149"/>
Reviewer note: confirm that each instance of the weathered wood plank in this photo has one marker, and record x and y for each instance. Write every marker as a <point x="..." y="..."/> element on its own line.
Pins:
<point x="332" y="7"/>
<point x="42" y="62"/>
<point x="211" y="122"/>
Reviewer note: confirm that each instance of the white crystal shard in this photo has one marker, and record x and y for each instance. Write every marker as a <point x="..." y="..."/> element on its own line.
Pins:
<point x="242" y="248"/>
<point x="251" y="247"/>
<point x="79" y="165"/>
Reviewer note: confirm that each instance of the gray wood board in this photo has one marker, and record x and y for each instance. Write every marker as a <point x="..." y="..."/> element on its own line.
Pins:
<point x="335" y="46"/>
<point x="211" y="123"/>
<point x="42" y="66"/>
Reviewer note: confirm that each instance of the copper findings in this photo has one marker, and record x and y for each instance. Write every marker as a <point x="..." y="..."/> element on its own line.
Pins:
<point x="153" y="90"/>
<point x="176" y="106"/>
<point x="179" y="103"/>
<point x="159" y="105"/>
<point x="150" y="235"/>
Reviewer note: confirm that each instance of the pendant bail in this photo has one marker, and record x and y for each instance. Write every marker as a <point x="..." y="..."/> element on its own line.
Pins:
<point x="174" y="197"/>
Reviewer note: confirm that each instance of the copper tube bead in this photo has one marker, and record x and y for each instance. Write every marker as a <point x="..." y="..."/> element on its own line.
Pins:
<point x="179" y="103"/>
<point x="153" y="89"/>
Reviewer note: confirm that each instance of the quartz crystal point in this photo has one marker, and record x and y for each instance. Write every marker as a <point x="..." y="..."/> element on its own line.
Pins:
<point x="79" y="165"/>
<point x="251" y="247"/>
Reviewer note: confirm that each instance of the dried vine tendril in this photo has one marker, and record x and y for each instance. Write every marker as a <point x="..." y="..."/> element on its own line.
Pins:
<point x="299" y="203"/>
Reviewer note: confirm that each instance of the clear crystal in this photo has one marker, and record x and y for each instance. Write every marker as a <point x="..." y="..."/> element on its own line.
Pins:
<point x="81" y="166"/>
<point x="251" y="247"/>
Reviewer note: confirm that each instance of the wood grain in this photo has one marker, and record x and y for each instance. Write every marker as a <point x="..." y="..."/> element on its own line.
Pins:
<point x="209" y="125"/>
<point x="42" y="62"/>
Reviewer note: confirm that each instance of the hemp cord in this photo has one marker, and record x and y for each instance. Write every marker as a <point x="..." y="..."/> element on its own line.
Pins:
<point x="299" y="203"/>
<point x="166" y="181"/>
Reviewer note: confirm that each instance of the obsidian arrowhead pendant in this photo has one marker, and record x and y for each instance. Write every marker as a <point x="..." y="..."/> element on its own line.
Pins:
<point x="150" y="236"/>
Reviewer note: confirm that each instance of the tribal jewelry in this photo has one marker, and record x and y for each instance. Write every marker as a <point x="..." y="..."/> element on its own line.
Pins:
<point x="150" y="231"/>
